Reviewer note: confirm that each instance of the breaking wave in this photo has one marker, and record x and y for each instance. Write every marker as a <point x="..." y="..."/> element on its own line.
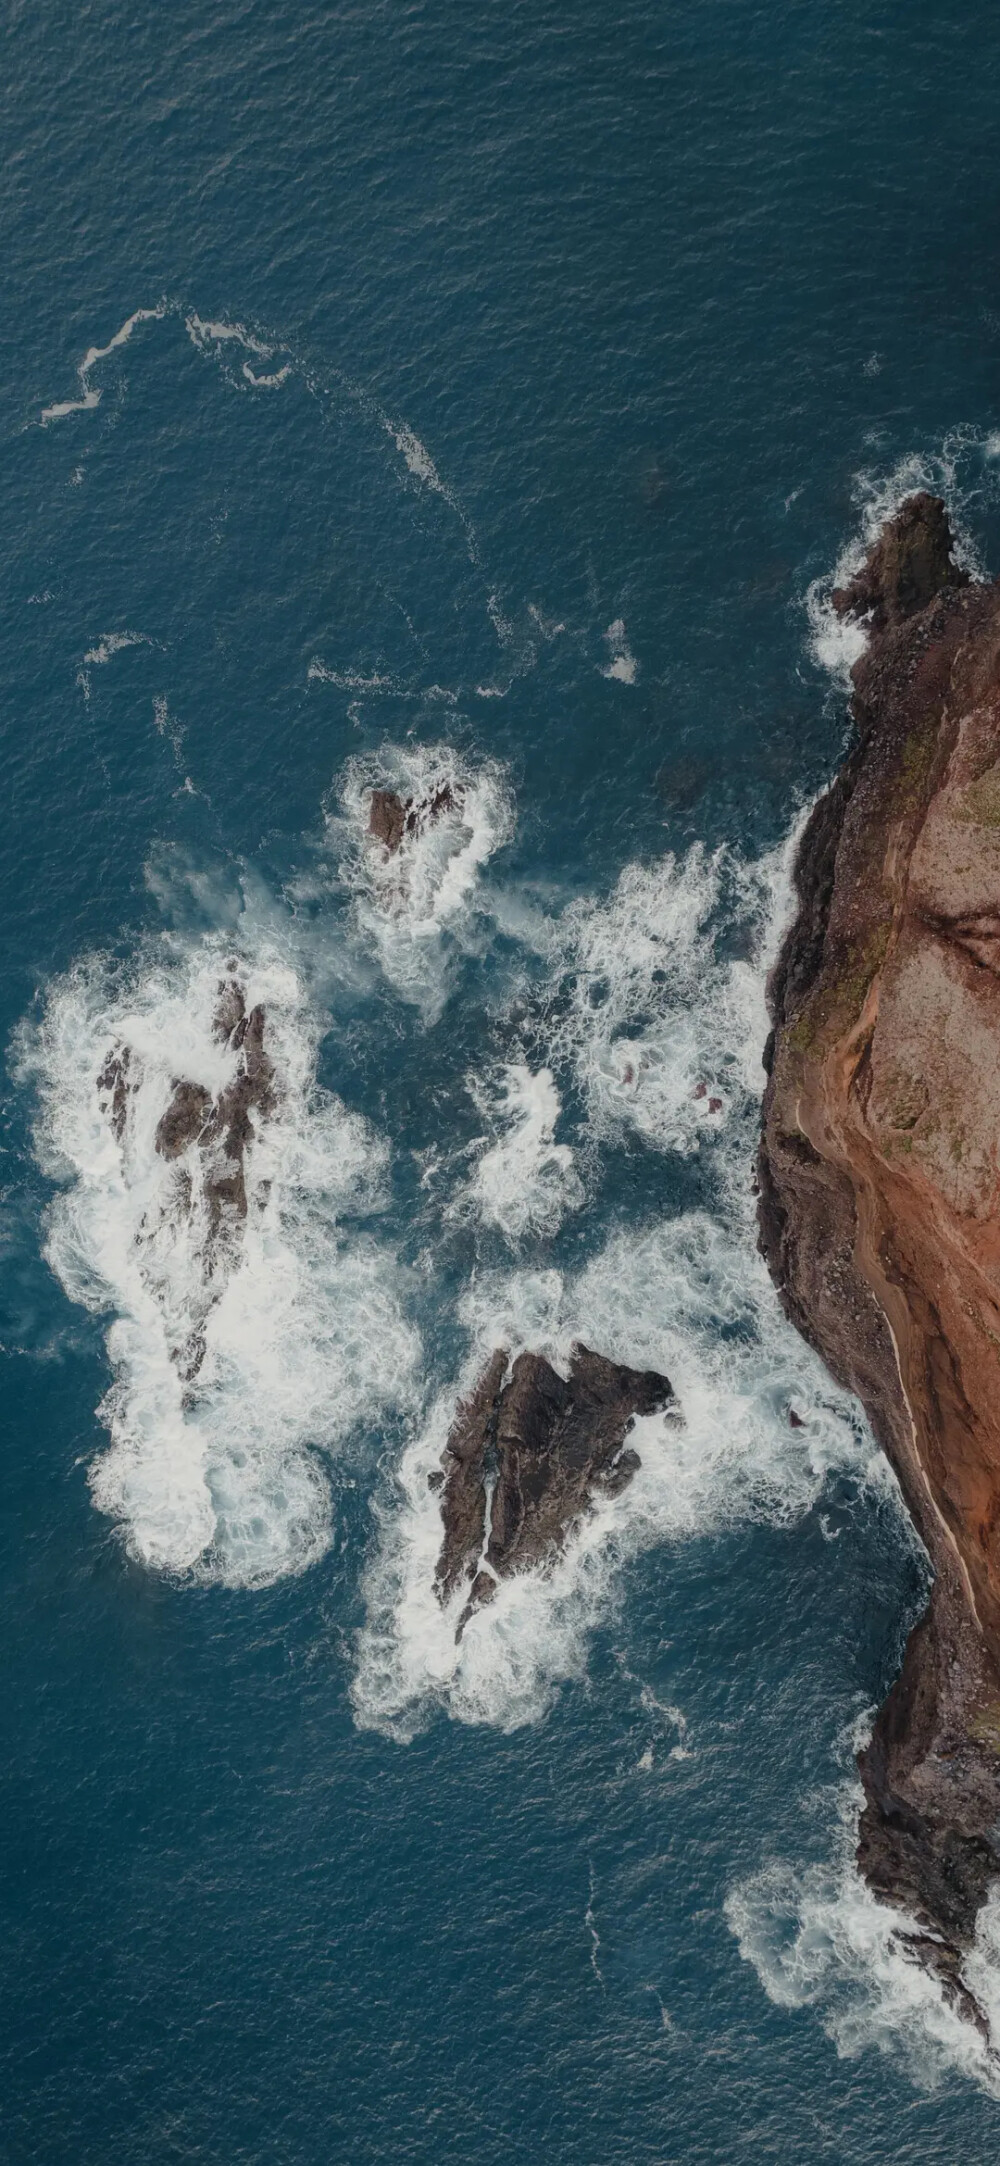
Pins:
<point x="818" y="1938"/>
<point x="415" y="906"/>
<point x="524" y="1181"/>
<point x="252" y="1331"/>
<point x="762" y="1427"/>
<point x="661" y="1035"/>
<point x="686" y="1300"/>
<point x="962" y="472"/>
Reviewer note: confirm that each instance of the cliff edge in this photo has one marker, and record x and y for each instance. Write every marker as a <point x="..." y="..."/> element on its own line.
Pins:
<point x="879" y="1178"/>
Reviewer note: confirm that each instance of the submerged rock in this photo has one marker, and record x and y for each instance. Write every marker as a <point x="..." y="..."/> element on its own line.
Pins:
<point x="879" y="1180"/>
<point x="528" y="1452"/>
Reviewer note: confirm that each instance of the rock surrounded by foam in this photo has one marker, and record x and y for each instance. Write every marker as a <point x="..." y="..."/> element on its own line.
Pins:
<point x="909" y="563"/>
<point x="526" y="1454"/>
<point x="209" y="1138"/>
<point x="393" y="818"/>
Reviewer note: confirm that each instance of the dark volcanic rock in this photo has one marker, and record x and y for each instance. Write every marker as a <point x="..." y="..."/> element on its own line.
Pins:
<point x="879" y="1181"/>
<point x="387" y="818"/>
<point x="393" y="818"/>
<point x="113" y="1085"/>
<point x="545" y="1445"/>
<point x="908" y="565"/>
<point x="224" y="1128"/>
<point x="184" y="1119"/>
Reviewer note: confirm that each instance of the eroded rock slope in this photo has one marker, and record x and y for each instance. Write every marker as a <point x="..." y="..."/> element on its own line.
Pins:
<point x="880" y="1176"/>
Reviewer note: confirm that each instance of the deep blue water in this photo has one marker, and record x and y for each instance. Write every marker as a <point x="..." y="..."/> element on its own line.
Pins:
<point x="651" y="286"/>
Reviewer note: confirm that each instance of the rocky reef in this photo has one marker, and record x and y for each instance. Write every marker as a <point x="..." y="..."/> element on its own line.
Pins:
<point x="205" y="1139"/>
<point x="393" y="820"/>
<point x="879" y="1177"/>
<point x="528" y="1453"/>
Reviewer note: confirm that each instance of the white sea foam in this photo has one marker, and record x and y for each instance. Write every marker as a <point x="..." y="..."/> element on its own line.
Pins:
<point x="350" y="680"/>
<point x="662" y="1036"/>
<point x="90" y="395"/>
<point x="955" y="473"/>
<point x="818" y="1939"/>
<point x="304" y="1336"/>
<point x="549" y="627"/>
<point x="523" y="1181"/>
<point x="272" y="382"/>
<point x="621" y="664"/>
<point x="166" y="726"/>
<point x="689" y="1297"/>
<point x="416" y="909"/>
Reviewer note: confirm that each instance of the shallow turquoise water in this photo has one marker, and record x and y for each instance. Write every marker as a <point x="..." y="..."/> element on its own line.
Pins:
<point x="561" y="321"/>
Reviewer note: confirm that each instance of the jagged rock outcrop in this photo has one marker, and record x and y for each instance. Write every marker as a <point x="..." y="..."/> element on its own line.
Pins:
<point x="911" y="561"/>
<point x="213" y="1190"/>
<point x="879" y="1178"/>
<point x="528" y="1452"/>
<point x="393" y="819"/>
<point x="223" y="1127"/>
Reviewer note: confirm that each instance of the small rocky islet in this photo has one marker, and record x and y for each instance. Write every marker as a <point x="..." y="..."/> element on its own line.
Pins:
<point x="529" y="1452"/>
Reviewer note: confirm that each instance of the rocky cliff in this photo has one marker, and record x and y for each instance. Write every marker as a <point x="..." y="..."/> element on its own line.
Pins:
<point x="880" y="1177"/>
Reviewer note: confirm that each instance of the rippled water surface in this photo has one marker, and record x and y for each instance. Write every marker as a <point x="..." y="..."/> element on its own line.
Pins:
<point x="475" y="401"/>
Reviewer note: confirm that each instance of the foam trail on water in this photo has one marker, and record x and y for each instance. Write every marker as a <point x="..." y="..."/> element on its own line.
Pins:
<point x="109" y="644"/>
<point x="420" y="465"/>
<point x="206" y="335"/>
<point x="240" y="1347"/>
<point x="818" y="1939"/>
<point x="90" y="395"/>
<point x="524" y="1181"/>
<point x="351" y="680"/>
<point x="417" y="908"/>
<point x="270" y="382"/>
<point x="417" y="457"/>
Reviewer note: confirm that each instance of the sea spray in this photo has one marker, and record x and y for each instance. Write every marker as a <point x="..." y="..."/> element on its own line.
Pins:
<point x="689" y="1297"/>
<point x="960" y="471"/>
<point x="523" y="1182"/>
<point x="216" y="1473"/>
<point x="818" y="1938"/>
<point x="416" y="907"/>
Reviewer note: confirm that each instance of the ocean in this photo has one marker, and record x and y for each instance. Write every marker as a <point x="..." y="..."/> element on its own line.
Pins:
<point x="474" y="400"/>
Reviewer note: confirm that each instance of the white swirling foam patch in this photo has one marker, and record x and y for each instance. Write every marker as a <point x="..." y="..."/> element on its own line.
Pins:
<point x="523" y="1181"/>
<point x="416" y="908"/>
<point x="304" y="1339"/>
<point x="659" y="1034"/>
<point x="817" y="1938"/>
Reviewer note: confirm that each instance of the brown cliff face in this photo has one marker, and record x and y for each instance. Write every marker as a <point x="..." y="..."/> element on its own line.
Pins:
<point x="880" y="1177"/>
